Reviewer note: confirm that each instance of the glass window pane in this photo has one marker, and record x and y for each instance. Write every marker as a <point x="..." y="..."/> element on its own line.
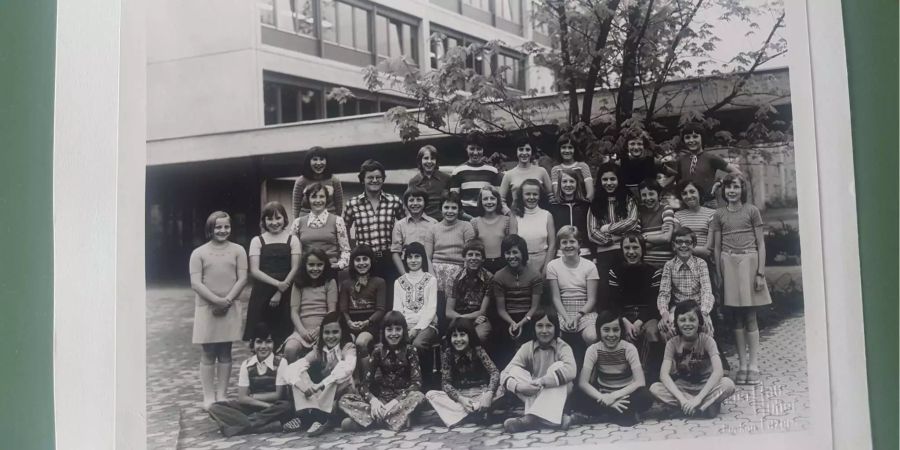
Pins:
<point x="309" y="103"/>
<point x="480" y="4"/>
<point x="367" y="106"/>
<point x="289" y="104"/>
<point x="361" y="29"/>
<point x="345" y="24"/>
<point x="349" y="107"/>
<point x="386" y="105"/>
<point x="332" y="108"/>
<point x="270" y="102"/>
<point x="394" y="39"/>
<point x="409" y="41"/>
<point x="328" y="21"/>
<point x="266" y="11"/>
<point x="381" y="35"/>
<point x="510" y="10"/>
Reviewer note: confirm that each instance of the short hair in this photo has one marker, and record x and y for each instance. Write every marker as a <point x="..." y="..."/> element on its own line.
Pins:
<point x="475" y="138"/>
<point x="370" y="165"/>
<point x="360" y="250"/>
<point x="338" y="318"/>
<point x="306" y="168"/>
<point x="211" y="222"/>
<point x="269" y="211"/>
<point x="692" y="127"/>
<point x="466" y="326"/>
<point x="474" y="245"/>
<point x="418" y="249"/>
<point x="421" y="154"/>
<point x="732" y="178"/>
<point x="637" y="135"/>
<point x="304" y="279"/>
<point x="580" y="186"/>
<point x="685" y="307"/>
<point x="312" y="189"/>
<point x="634" y="235"/>
<point x="260" y="330"/>
<point x="394" y="318"/>
<point x="567" y="231"/>
<point x="515" y="241"/>
<point x="684" y="231"/>
<point x="479" y="207"/>
<point x="551" y="317"/>
<point x="683" y="184"/>
<point x="605" y="316"/>
<point x="452" y="197"/>
<point x="650" y="183"/>
<point x="519" y="201"/>
<point x="414" y="192"/>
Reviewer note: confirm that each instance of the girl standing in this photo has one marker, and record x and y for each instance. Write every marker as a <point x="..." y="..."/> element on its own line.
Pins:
<point x="573" y="285"/>
<point x="469" y="379"/>
<point x="391" y="390"/>
<point x="741" y="255"/>
<point x="571" y="207"/>
<point x="535" y="225"/>
<point x="323" y="230"/>
<point x="517" y="290"/>
<point x="692" y="378"/>
<point x="613" y="213"/>
<point x="612" y="377"/>
<point x="218" y="275"/>
<point x="314" y="295"/>
<point x="491" y="226"/>
<point x="696" y="217"/>
<point x="430" y="180"/>
<point x="657" y="224"/>
<point x="415" y="297"/>
<point x="315" y="170"/>
<point x="263" y="401"/>
<point x="541" y="375"/>
<point x="274" y="261"/>
<point x="571" y="158"/>
<point x="470" y="297"/>
<point x="447" y="239"/>
<point x="362" y="299"/>
<point x="526" y="169"/>
<point x="320" y="378"/>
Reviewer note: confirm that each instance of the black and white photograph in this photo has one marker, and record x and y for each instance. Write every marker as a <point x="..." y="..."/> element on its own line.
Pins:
<point x="439" y="224"/>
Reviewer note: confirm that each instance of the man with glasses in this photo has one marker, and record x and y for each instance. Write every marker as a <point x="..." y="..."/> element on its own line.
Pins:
<point x="684" y="277"/>
<point x="372" y="215"/>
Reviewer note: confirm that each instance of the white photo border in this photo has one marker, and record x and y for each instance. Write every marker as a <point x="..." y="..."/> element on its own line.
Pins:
<point x="99" y="181"/>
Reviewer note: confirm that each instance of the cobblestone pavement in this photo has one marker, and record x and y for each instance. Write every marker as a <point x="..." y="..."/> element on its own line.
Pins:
<point x="174" y="420"/>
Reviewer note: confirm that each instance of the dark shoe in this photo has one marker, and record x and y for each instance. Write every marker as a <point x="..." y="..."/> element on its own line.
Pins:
<point x="233" y="430"/>
<point x="292" y="426"/>
<point x="713" y="411"/>
<point x="516" y="425"/>
<point x="350" y="425"/>
<point x="271" y="427"/>
<point x="626" y="419"/>
<point x="566" y="422"/>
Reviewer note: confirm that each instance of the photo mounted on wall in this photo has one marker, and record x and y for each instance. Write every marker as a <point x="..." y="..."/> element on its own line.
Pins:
<point x="479" y="224"/>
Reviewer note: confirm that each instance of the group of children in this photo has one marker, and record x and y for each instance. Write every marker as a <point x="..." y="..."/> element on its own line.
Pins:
<point x="510" y="294"/>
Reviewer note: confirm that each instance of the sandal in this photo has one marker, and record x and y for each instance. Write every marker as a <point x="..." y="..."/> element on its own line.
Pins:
<point x="293" y="425"/>
<point x="317" y="429"/>
<point x="741" y="377"/>
<point x="752" y="377"/>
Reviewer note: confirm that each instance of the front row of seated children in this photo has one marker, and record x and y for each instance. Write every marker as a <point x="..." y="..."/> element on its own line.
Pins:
<point x="542" y="375"/>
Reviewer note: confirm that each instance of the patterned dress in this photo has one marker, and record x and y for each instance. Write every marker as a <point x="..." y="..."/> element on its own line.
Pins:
<point x="394" y="378"/>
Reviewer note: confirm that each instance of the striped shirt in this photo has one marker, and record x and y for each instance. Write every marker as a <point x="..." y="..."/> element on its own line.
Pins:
<point x="468" y="179"/>
<point x="698" y="222"/>
<point x="517" y="289"/>
<point x="612" y="369"/>
<point x="609" y="240"/>
<point x="660" y="219"/>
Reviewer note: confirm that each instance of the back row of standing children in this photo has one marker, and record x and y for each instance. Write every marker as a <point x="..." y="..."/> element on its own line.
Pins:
<point x="404" y="254"/>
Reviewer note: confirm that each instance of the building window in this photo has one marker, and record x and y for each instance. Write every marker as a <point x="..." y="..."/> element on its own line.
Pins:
<point x="503" y="14"/>
<point x="450" y="39"/>
<point x="515" y="75"/>
<point x="293" y="16"/>
<point x="345" y="24"/>
<point x="484" y="5"/>
<point x="289" y="99"/>
<point x="394" y="37"/>
<point x="510" y="10"/>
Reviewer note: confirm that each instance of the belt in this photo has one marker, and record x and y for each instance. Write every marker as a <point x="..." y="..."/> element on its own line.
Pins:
<point x="379" y="253"/>
<point x="740" y="251"/>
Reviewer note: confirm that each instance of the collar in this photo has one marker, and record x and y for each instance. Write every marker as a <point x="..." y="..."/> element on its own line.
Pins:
<point x="269" y="361"/>
<point x="321" y="218"/>
<point x="553" y="345"/>
<point x="423" y="218"/>
<point x="691" y="263"/>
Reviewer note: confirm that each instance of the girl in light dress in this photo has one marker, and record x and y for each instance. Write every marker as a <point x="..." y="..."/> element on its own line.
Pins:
<point x="218" y="271"/>
<point x="535" y="225"/>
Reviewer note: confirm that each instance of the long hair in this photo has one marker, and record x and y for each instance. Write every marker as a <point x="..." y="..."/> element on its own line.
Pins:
<point x="466" y="326"/>
<point x="734" y="178"/>
<point x="553" y="320"/>
<point x="393" y="318"/>
<point x="306" y="168"/>
<point x="567" y="139"/>
<point x="268" y="212"/>
<point x="479" y="208"/>
<point x="427" y="149"/>
<point x="580" y="188"/>
<point x="418" y="249"/>
<point x="606" y="316"/>
<point x="601" y="197"/>
<point x="304" y="279"/>
<point x="333" y="317"/>
<point x="519" y="203"/>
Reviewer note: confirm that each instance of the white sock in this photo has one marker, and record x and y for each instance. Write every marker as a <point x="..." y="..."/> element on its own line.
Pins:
<point x="753" y="341"/>
<point x="740" y="340"/>
<point x="207" y="381"/>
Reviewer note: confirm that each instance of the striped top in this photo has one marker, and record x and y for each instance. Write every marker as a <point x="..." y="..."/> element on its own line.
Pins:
<point x="517" y="289"/>
<point x="737" y="227"/>
<point x="660" y="219"/>
<point x="468" y="179"/>
<point x="698" y="222"/>
<point x="612" y="369"/>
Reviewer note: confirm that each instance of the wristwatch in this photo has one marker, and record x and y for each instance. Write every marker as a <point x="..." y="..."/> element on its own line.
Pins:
<point x="528" y="318"/>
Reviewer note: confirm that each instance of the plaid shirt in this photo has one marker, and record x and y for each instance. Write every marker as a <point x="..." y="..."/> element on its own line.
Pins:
<point x="685" y="280"/>
<point x="373" y="227"/>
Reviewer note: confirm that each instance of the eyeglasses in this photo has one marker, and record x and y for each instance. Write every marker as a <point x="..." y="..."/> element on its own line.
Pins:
<point x="683" y="242"/>
<point x="375" y="178"/>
